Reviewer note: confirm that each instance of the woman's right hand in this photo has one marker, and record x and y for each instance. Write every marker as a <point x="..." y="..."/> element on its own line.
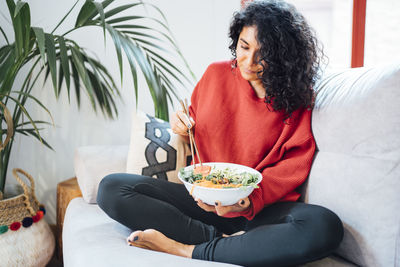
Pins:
<point x="180" y="123"/>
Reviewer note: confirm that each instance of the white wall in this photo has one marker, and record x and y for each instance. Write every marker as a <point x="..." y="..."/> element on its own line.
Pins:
<point x="200" y="28"/>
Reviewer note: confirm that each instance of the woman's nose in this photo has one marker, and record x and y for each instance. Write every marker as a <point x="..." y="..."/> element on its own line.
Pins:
<point x="252" y="59"/>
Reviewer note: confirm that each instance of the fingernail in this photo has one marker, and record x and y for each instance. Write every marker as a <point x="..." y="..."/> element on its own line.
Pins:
<point x="189" y="125"/>
<point x="242" y="202"/>
<point x="135" y="238"/>
<point x="216" y="203"/>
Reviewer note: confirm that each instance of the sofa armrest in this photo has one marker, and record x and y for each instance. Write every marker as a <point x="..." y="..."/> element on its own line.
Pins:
<point x="92" y="163"/>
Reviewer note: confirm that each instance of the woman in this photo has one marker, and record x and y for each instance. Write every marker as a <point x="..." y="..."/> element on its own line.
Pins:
<point x="256" y="111"/>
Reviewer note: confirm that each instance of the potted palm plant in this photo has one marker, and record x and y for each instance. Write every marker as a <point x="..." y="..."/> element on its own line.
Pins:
<point x="71" y="67"/>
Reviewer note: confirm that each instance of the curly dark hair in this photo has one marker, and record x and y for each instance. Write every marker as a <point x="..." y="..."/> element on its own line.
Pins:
<point x="288" y="47"/>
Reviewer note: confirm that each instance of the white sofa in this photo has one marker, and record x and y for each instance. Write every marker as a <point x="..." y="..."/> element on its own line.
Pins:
<point x="355" y="173"/>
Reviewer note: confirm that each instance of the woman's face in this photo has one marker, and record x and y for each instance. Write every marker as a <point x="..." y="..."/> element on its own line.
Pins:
<point x="247" y="53"/>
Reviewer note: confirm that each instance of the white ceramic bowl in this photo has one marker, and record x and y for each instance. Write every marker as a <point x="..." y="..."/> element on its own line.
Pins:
<point x="227" y="196"/>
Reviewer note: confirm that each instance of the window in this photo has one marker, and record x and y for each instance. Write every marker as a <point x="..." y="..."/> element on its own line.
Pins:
<point x="382" y="32"/>
<point x="332" y="22"/>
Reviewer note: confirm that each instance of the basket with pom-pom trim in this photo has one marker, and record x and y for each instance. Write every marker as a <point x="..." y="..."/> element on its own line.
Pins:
<point x="25" y="238"/>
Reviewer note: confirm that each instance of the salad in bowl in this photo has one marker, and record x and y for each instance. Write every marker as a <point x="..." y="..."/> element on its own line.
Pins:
<point x="224" y="182"/>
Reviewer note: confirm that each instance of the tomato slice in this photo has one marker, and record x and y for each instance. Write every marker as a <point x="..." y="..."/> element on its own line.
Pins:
<point x="203" y="170"/>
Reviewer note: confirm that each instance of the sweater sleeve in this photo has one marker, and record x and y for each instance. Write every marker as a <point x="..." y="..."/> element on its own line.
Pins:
<point x="282" y="178"/>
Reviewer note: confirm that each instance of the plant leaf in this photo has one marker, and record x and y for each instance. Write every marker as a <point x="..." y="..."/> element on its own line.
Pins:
<point x="6" y="64"/>
<point x="23" y="130"/>
<point x="51" y="59"/>
<point x="66" y="15"/>
<point x="35" y="134"/>
<point x="104" y="5"/>
<point x="149" y="75"/>
<point x="22" y="108"/>
<point x="97" y="90"/>
<point x="17" y="27"/>
<point x="60" y="80"/>
<point x="142" y="41"/>
<point x="132" y="63"/>
<point x="46" y="74"/>
<point x="99" y="8"/>
<point x="40" y="41"/>
<point x="77" y="85"/>
<point x="117" y="44"/>
<point x="170" y="72"/>
<point x="11" y="7"/>
<point x="18" y="7"/>
<point x="136" y="33"/>
<point x="80" y="67"/>
<point x="95" y="81"/>
<point x="28" y="122"/>
<point x="131" y="26"/>
<point x="64" y="61"/>
<point x="37" y="102"/>
<point x="25" y="86"/>
<point x="119" y="9"/>
<point x="124" y="18"/>
<point x="100" y="88"/>
<point x="87" y="10"/>
<point x="106" y="76"/>
<point x="23" y="19"/>
<point x="4" y="35"/>
<point x="4" y="54"/>
<point x="8" y="69"/>
<point x="162" y="58"/>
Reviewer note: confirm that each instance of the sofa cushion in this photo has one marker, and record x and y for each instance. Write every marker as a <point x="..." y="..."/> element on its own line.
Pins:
<point x="92" y="163"/>
<point x="154" y="150"/>
<point x="91" y="238"/>
<point x="356" y="125"/>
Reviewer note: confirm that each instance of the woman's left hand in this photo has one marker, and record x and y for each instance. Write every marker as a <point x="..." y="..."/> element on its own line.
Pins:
<point x="241" y="205"/>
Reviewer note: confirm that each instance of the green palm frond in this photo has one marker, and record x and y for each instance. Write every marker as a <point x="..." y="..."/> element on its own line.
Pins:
<point x="144" y="47"/>
<point x="151" y="52"/>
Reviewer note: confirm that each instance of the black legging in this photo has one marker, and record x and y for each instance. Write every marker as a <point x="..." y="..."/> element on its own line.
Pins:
<point x="282" y="234"/>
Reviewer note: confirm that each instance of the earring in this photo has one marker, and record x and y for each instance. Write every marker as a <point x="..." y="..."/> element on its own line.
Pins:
<point x="234" y="63"/>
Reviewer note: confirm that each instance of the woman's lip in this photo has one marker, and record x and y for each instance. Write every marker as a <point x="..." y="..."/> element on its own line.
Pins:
<point x="249" y="71"/>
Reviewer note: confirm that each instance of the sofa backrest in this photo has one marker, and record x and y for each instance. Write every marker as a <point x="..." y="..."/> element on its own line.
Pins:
<point x="356" y="171"/>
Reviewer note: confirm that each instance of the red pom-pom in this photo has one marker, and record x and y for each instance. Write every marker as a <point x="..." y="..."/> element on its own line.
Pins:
<point x="40" y="213"/>
<point x="15" y="226"/>
<point x="36" y="218"/>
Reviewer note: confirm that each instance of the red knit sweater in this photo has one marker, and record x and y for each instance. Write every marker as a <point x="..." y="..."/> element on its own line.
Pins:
<point x="234" y="125"/>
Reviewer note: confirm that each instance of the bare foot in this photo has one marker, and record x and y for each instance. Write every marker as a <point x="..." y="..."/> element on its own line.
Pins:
<point x="155" y="240"/>
<point x="234" y="234"/>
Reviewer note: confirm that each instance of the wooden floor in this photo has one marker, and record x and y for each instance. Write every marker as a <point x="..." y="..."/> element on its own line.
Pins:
<point x="54" y="261"/>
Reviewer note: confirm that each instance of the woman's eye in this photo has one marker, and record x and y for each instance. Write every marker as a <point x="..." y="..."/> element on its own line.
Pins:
<point x="244" y="47"/>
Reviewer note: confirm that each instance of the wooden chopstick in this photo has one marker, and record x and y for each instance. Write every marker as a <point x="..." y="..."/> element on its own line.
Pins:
<point x="191" y="135"/>
<point x="194" y="141"/>
<point x="197" y="151"/>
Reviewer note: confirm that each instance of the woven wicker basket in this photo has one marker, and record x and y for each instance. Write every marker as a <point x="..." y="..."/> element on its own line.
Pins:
<point x="21" y="206"/>
<point x="25" y="239"/>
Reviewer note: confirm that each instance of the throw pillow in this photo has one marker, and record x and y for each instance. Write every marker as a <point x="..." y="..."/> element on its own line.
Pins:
<point x="154" y="150"/>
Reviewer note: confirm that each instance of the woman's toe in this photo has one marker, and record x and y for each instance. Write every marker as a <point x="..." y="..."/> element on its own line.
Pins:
<point x="134" y="236"/>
